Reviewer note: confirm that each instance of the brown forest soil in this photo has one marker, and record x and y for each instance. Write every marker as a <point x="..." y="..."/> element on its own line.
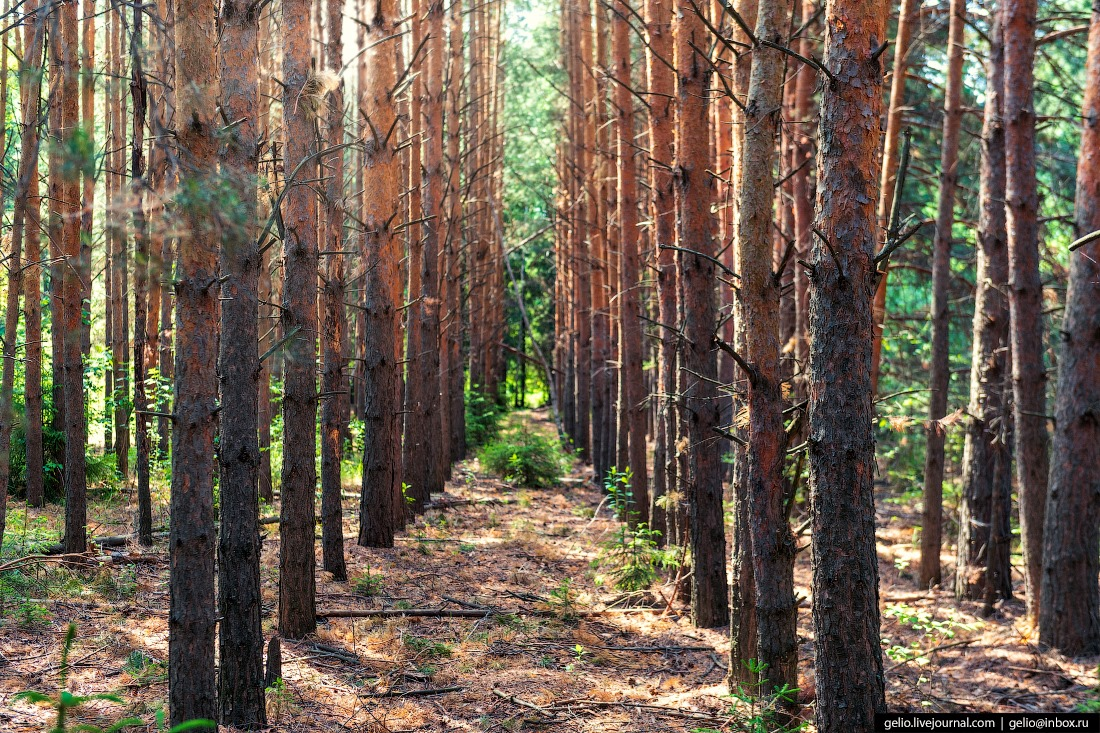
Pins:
<point x="517" y="549"/>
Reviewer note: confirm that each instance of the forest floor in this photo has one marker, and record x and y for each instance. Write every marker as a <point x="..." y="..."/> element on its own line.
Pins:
<point x="545" y="662"/>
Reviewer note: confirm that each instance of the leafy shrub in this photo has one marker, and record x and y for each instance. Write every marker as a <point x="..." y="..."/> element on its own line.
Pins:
<point x="531" y="460"/>
<point x="483" y="418"/>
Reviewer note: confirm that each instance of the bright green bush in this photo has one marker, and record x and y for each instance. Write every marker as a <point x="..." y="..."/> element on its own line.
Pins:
<point x="526" y="459"/>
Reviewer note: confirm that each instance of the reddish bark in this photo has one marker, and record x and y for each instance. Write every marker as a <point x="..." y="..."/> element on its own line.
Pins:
<point x="631" y="384"/>
<point x="76" y="487"/>
<point x="848" y="658"/>
<point x="1025" y="290"/>
<point x="699" y="367"/>
<point x="381" y="509"/>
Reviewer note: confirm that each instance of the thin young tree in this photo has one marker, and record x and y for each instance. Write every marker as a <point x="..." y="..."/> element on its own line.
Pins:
<point x="895" y="119"/>
<point x="240" y="637"/>
<point x="1069" y="613"/>
<point x="192" y="691"/>
<point x="940" y="373"/>
<point x="1025" y="290"/>
<point x="848" y="658"/>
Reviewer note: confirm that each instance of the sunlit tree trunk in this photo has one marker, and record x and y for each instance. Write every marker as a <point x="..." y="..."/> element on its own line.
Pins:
<point x="632" y="386"/>
<point x="848" y="658"/>
<point x="381" y="509"/>
<point x="907" y="16"/>
<point x="434" y="443"/>
<point x="334" y="386"/>
<point x="742" y="586"/>
<point x="699" y="367"/>
<point x="1025" y="290"/>
<point x="76" y="530"/>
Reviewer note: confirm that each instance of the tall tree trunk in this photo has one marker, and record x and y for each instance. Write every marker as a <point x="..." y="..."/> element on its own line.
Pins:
<point x="848" y="660"/>
<point x="30" y="78"/>
<point x="1069" y="614"/>
<point x="662" y="85"/>
<point x="31" y="89"/>
<point x="454" y="374"/>
<point x="699" y="367"/>
<point x="334" y="386"/>
<point x="301" y="103"/>
<point x="907" y="15"/>
<point x="940" y="377"/>
<point x="743" y="587"/>
<point x="434" y="442"/>
<point x="76" y="487"/>
<point x="191" y="620"/>
<point x="632" y="385"/>
<point x="56" y="253"/>
<point x="116" y="234"/>
<point x="415" y="452"/>
<point x="983" y="569"/>
<point x="602" y="404"/>
<point x="87" y="112"/>
<point x="773" y="546"/>
<point x="139" y="94"/>
<point x="1025" y="291"/>
<point x="381" y="508"/>
<point x="240" y="637"/>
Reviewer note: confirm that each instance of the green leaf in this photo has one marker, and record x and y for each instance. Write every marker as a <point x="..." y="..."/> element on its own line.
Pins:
<point x="32" y="696"/>
<point x="200" y="724"/>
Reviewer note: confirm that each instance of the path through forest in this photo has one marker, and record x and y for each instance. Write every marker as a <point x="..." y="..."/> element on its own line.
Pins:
<point x="550" y="660"/>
